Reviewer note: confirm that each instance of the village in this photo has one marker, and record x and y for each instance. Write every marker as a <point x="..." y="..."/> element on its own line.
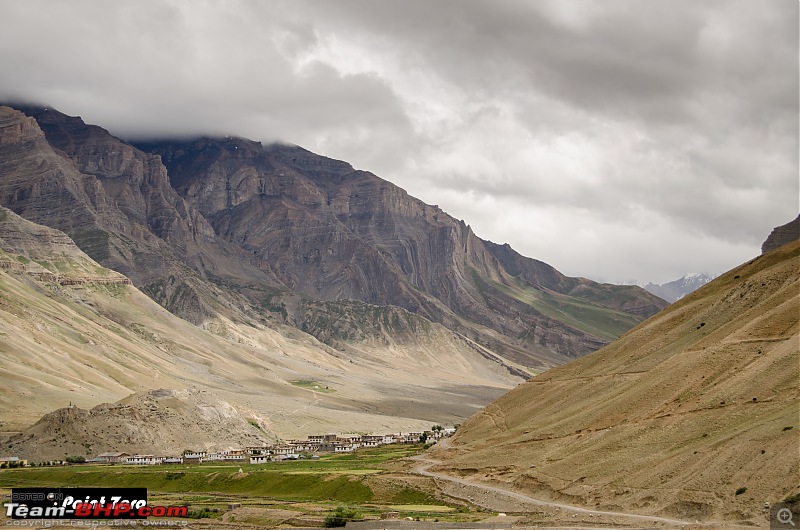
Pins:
<point x="286" y="450"/>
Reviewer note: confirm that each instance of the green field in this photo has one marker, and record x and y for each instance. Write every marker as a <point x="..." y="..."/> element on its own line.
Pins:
<point x="289" y="493"/>
<point x="314" y="386"/>
<point x="332" y="477"/>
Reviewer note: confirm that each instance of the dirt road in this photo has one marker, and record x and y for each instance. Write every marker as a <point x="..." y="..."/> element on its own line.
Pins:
<point x="504" y="500"/>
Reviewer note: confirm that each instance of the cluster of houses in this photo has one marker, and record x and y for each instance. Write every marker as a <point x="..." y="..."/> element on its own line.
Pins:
<point x="289" y="450"/>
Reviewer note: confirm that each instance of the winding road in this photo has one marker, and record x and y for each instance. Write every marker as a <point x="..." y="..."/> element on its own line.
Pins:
<point x="629" y="518"/>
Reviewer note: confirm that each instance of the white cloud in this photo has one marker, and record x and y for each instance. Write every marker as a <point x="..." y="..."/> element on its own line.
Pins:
<point x="616" y="140"/>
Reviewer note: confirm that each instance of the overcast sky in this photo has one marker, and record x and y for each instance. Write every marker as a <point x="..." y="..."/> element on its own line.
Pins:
<point x="615" y="139"/>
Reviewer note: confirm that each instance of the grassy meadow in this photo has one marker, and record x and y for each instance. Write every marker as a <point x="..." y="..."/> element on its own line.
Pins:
<point x="292" y="490"/>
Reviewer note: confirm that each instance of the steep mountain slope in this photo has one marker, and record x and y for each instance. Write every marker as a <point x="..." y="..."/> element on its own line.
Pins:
<point x="675" y="418"/>
<point x="336" y="233"/>
<point x="677" y="289"/>
<point x="281" y="234"/>
<point x="74" y="332"/>
<point x="48" y="254"/>
<point x="117" y="205"/>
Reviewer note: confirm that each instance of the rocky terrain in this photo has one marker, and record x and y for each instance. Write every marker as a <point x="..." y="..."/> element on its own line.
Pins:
<point x="117" y="205"/>
<point x="335" y="233"/>
<point x="282" y="266"/>
<point x="48" y="254"/>
<point x="692" y="414"/>
<point x="169" y="420"/>
<point x="75" y="333"/>
<point x="275" y="233"/>
<point x="781" y="235"/>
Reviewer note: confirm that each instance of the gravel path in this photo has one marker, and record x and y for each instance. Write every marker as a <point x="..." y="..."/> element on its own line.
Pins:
<point x="501" y="499"/>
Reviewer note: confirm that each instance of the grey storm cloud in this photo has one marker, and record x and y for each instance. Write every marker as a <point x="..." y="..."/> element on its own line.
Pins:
<point x="618" y="140"/>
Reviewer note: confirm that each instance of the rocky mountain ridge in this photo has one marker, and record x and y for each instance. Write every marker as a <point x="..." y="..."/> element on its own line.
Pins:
<point x="781" y="235"/>
<point x="90" y="342"/>
<point x="276" y="235"/>
<point x="335" y="233"/>
<point x="48" y="255"/>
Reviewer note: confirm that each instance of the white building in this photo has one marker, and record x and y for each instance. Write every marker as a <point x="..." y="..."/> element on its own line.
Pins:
<point x="148" y="460"/>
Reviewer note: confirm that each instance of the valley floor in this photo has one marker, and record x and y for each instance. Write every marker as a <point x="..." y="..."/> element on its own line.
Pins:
<point x="391" y="481"/>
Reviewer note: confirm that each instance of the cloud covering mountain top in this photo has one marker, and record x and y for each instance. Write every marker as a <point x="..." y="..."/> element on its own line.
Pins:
<point x="618" y="140"/>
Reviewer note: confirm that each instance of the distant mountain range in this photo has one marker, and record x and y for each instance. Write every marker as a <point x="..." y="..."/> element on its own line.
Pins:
<point x="677" y="289"/>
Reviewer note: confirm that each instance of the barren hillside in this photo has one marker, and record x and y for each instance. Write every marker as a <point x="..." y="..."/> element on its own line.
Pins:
<point x="160" y="421"/>
<point x="98" y="340"/>
<point x="693" y="413"/>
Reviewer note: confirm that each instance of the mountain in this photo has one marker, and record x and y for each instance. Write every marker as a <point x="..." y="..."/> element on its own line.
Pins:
<point x="337" y="233"/>
<point x="160" y="421"/>
<point x="258" y="273"/>
<point x="677" y="289"/>
<point x="274" y="235"/>
<point x="692" y="414"/>
<point x="73" y="333"/>
<point x="781" y="235"/>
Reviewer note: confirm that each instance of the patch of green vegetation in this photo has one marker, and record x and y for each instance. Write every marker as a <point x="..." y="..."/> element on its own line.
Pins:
<point x="410" y="496"/>
<point x="306" y="486"/>
<point x="47" y="265"/>
<point x="267" y="483"/>
<point x="788" y="428"/>
<point x="340" y="516"/>
<point x="581" y="314"/>
<point x="204" y="513"/>
<point x="315" y="386"/>
<point x="351" y="472"/>
<point x="741" y="490"/>
<point x="23" y="260"/>
<point x="423" y="508"/>
<point x="94" y="242"/>
<point x="792" y="498"/>
<point x="482" y="285"/>
<point x="273" y="307"/>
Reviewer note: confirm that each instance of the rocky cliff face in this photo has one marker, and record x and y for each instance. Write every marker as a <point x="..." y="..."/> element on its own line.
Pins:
<point x="116" y="203"/>
<point x="48" y="254"/>
<point x="781" y="235"/>
<point x="336" y="233"/>
<point x="258" y="233"/>
<point x="74" y="332"/>
<point x="626" y="298"/>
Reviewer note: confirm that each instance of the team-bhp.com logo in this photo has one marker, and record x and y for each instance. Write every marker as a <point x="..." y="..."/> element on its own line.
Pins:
<point x="86" y="503"/>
